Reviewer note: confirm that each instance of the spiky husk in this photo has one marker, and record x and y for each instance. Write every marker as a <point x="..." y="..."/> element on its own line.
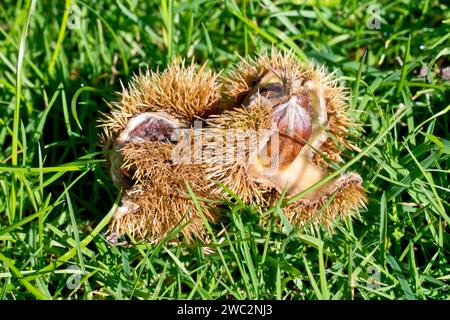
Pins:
<point x="157" y="199"/>
<point x="323" y="212"/>
<point x="158" y="213"/>
<point x="160" y="195"/>
<point x="341" y="201"/>
<point x="239" y="82"/>
<point x="227" y="145"/>
<point x="184" y="91"/>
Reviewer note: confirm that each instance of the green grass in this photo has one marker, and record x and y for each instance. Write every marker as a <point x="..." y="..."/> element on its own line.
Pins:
<point x="56" y="197"/>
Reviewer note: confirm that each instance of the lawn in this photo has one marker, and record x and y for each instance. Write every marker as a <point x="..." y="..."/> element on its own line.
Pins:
<point x="62" y="60"/>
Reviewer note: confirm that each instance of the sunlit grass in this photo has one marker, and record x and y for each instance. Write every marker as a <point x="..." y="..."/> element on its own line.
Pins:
<point x="56" y="197"/>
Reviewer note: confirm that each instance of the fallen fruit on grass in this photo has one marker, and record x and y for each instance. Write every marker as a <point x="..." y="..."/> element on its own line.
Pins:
<point x="141" y="132"/>
<point x="272" y="126"/>
<point x="294" y="117"/>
